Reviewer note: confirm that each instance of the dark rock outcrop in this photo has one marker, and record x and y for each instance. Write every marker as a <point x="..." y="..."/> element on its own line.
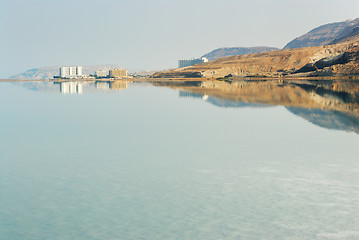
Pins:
<point x="327" y="62"/>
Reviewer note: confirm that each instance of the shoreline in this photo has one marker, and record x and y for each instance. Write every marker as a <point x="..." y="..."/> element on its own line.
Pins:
<point x="202" y="79"/>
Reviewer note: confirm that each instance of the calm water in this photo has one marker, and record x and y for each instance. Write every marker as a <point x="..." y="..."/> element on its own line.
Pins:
<point x="137" y="161"/>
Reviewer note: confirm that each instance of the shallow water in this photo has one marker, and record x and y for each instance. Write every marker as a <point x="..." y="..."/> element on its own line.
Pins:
<point x="143" y="162"/>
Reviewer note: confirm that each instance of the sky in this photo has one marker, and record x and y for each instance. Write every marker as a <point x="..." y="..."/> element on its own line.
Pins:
<point x="150" y="35"/>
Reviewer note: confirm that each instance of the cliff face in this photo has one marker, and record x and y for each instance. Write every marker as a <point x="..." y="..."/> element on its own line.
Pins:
<point x="333" y="60"/>
<point x="325" y="34"/>
<point x="227" y="52"/>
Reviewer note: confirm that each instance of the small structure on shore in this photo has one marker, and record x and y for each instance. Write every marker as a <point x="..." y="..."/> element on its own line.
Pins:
<point x="190" y="62"/>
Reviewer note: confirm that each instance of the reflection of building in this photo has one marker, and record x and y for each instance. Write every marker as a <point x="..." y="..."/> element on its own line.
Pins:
<point x="101" y="74"/>
<point x="70" y="72"/>
<point x="191" y="62"/>
<point x="70" y="87"/>
<point x="115" y="85"/>
<point x="102" y="85"/>
<point x="118" y="73"/>
<point x="118" y="85"/>
<point x="183" y="94"/>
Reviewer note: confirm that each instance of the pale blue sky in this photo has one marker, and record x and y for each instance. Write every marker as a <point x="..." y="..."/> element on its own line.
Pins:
<point x="140" y="34"/>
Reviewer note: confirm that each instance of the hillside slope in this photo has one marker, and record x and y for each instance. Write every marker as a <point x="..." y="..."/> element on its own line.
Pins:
<point x="353" y="35"/>
<point x="334" y="60"/>
<point x="324" y="35"/>
<point x="233" y="51"/>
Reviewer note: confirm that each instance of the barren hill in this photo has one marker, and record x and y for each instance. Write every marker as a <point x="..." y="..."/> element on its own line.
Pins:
<point x="233" y="51"/>
<point x="333" y="60"/>
<point x="326" y="34"/>
<point x="352" y="35"/>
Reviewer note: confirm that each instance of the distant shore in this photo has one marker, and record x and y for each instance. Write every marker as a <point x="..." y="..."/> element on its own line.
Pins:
<point x="200" y="79"/>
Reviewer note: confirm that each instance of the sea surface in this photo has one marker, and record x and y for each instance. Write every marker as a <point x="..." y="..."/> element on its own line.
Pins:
<point x="128" y="160"/>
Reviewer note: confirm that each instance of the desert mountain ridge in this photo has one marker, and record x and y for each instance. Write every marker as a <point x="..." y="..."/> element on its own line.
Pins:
<point x="233" y="51"/>
<point x="328" y="50"/>
<point x="333" y="60"/>
<point x="327" y="34"/>
<point x="336" y="59"/>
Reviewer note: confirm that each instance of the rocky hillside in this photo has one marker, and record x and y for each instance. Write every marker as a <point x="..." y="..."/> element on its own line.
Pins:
<point x="333" y="60"/>
<point x="353" y="35"/>
<point x="49" y="72"/>
<point x="233" y="51"/>
<point x="326" y="34"/>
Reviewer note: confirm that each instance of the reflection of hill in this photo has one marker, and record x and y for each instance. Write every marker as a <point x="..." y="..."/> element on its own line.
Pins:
<point x="339" y="96"/>
<point x="331" y="104"/>
<point x="232" y="104"/>
<point x="43" y="86"/>
<point x="328" y="119"/>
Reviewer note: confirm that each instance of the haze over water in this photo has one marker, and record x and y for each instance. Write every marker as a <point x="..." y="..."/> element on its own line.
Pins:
<point x="146" y="162"/>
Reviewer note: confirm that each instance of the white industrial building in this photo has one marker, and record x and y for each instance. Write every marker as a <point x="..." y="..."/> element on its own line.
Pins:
<point x="71" y="72"/>
<point x="190" y="62"/>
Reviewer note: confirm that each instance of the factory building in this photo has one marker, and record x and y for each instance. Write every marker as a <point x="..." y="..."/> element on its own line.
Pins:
<point x="70" y="72"/>
<point x="118" y="73"/>
<point x="190" y="62"/>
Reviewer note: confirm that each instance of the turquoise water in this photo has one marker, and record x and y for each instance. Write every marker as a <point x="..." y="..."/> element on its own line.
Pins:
<point x="145" y="162"/>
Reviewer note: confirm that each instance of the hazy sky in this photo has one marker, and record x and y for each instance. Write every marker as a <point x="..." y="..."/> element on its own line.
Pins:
<point x="140" y="34"/>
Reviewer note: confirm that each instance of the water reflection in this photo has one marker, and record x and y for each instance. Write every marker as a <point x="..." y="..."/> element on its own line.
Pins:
<point x="184" y="94"/>
<point x="328" y="104"/>
<point x="118" y="85"/>
<point x="147" y="163"/>
<point x="75" y="87"/>
<point x="102" y="85"/>
<point x="328" y="119"/>
<point x="71" y="87"/>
